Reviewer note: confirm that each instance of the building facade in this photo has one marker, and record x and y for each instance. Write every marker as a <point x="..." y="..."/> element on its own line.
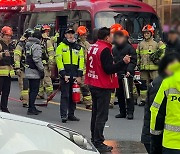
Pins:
<point x="167" y="10"/>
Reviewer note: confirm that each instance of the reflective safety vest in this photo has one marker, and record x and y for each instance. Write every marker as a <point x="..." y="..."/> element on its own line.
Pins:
<point x="144" y="50"/>
<point x="165" y="111"/>
<point x="95" y="75"/>
<point x="70" y="59"/>
<point x="6" y="63"/>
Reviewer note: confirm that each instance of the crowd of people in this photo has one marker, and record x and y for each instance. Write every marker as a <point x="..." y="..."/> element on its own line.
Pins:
<point x="101" y="69"/>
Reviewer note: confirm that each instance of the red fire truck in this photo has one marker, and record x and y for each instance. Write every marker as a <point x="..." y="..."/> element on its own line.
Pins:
<point x="132" y="14"/>
<point x="9" y="14"/>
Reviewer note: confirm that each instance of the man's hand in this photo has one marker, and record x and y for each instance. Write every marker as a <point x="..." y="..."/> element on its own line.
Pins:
<point x="127" y="59"/>
<point x="66" y="78"/>
<point x="18" y="72"/>
<point x="78" y="80"/>
<point x="128" y="74"/>
<point x="7" y="53"/>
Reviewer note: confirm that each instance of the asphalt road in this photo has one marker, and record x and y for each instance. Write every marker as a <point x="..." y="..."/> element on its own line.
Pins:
<point x="123" y="134"/>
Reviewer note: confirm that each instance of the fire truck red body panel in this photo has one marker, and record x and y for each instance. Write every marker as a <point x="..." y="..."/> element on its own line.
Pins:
<point x="93" y="6"/>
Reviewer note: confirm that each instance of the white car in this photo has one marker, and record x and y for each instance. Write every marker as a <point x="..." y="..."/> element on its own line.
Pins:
<point x="21" y="135"/>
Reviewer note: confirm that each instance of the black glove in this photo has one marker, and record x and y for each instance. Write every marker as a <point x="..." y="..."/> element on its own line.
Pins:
<point x="41" y="73"/>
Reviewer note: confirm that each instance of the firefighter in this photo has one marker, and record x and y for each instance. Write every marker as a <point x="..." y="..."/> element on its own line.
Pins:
<point x="82" y="32"/>
<point x="19" y="60"/>
<point x="6" y="69"/>
<point x="148" y="66"/>
<point x="70" y="63"/>
<point x="165" y="113"/>
<point x="48" y="62"/>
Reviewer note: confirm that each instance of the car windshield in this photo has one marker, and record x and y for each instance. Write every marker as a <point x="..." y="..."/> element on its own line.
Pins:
<point x="133" y="22"/>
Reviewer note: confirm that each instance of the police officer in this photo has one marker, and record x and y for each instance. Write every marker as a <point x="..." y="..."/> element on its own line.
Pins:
<point x="6" y="69"/>
<point x="82" y="32"/>
<point x="70" y="63"/>
<point x="19" y="60"/>
<point x="165" y="114"/>
<point x="148" y="67"/>
<point x="48" y="61"/>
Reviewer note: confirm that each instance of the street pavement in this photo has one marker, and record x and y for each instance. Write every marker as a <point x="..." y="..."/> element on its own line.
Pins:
<point x="124" y="135"/>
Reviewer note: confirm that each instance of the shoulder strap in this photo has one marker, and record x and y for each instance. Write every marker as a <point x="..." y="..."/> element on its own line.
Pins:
<point x="30" y="49"/>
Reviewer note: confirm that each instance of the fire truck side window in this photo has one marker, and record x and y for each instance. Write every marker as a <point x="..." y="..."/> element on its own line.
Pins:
<point x="81" y="18"/>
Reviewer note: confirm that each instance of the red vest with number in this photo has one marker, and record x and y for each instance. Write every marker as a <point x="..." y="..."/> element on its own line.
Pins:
<point x="95" y="75"/>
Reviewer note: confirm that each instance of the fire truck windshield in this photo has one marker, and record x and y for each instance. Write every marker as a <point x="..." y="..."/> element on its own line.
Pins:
<point x="133" y="22"/>
<point x="9" y="19"/>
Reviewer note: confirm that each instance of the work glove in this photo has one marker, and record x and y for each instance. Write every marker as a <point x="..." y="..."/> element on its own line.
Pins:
<point x="41" y="73"/>
<point x="18" y="72"/>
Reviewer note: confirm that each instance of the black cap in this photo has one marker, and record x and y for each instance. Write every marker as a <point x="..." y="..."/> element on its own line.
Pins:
<point x="173" y="30"/>
<point x="69" y="30"/>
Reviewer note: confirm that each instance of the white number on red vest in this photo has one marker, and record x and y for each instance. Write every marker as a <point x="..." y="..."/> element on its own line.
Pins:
<point x="91" y="61"/>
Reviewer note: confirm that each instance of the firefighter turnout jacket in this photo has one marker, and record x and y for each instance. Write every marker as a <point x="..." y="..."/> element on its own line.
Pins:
<point x="6" y="62"/>
<point x="19" y="54"/>
<point x="165" y="110"/>
<point x="48" y="51"/>
<point x="144" y="51"/>
<point x="70" y="59"/>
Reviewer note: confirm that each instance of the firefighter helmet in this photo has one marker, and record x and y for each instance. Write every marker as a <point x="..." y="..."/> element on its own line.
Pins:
<point x="125" y="32"/>
<point x="148" y="28"/>
<point x="28" y="32"/>
<point x="46" y="27"/>
<point x="82" y="30"/>
<point x="116" y="27"/>
<point x="6" y="30"/>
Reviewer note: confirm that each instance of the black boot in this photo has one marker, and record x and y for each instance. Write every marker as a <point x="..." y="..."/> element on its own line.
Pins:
<point x="64" y="120"/>
<point x="73" y="118"/>
<point x="32" y="112"/>
<point x="130" y="116"/>
<point x="103" y="148"/>
<point x="121" y="115"/>
<point x="5" y="110"/>
<point x="38" y="111"/>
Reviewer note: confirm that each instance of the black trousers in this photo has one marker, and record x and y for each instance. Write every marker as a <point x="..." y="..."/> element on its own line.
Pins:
<point x="126" y="106"/>
<point x="170" y="151"/>
<point x="5" y="86"/>
<point x="33" y="92"/>
<point x="67" y="106"/>
<point x="147" y="146"/>
<point x="100" y="111"/>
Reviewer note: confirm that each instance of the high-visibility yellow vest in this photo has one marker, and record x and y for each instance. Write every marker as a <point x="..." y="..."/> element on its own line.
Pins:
<point x="165" y="111"/>
<point x="66" y="57"/>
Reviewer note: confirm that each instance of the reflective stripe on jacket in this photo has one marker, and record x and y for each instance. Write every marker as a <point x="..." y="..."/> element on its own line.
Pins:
<point x="144" y="50"/>
<point x="165" y="111"/>
<point x="70" y="59"/>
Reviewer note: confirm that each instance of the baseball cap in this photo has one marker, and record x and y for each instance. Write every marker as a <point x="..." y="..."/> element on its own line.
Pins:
<point x="69" y="30"/>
